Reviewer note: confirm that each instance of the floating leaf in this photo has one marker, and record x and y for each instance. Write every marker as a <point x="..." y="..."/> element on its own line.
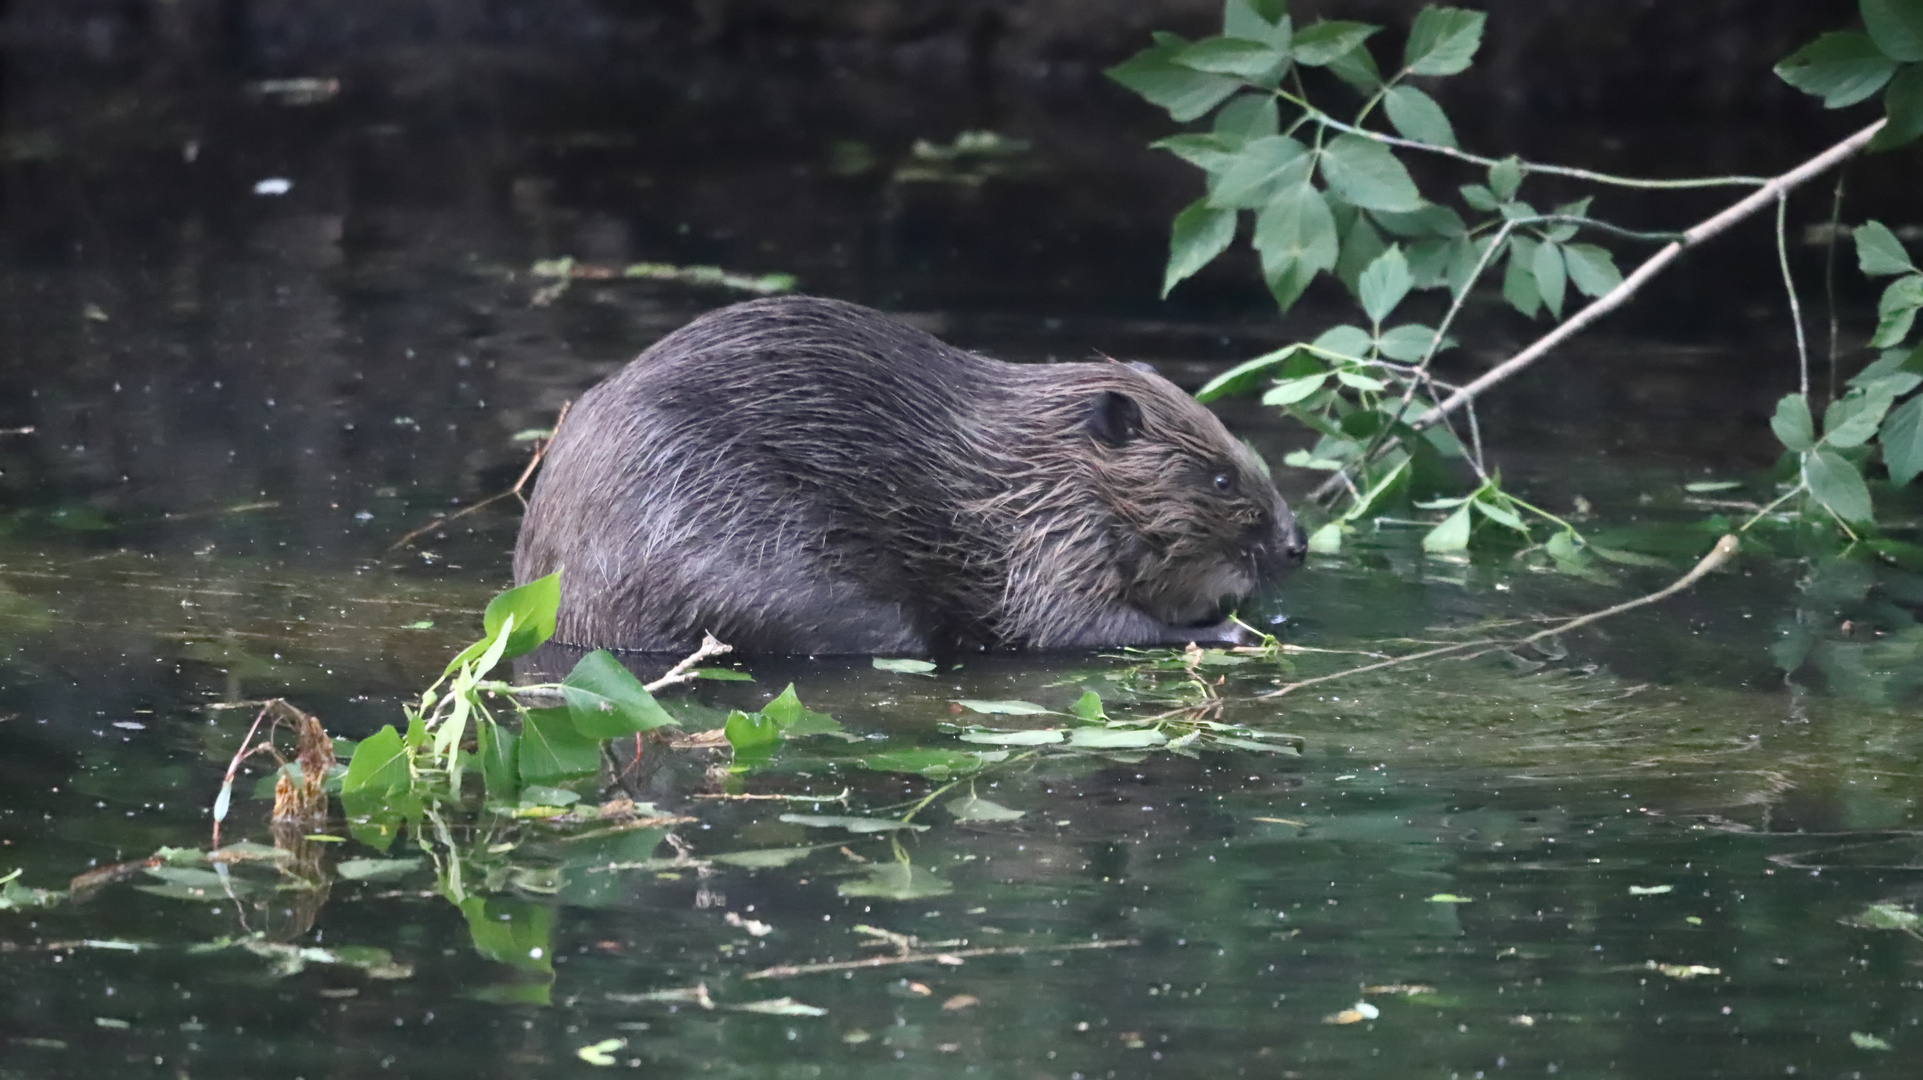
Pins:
<point x="374" y="869"/>
<point x="1886" y="917"/>
<point x="781" y="1006"/>
<point x="1006" y="708"/>
<point x="768" y="858"/>
<point x="932" y="763"/>
<point x="794" y="719"/>
<point x="852" y="824"/>
<point x="749" y="733"/>
<point x="1417" y="116"/>
<point x="601" y="1053"/>
<point x="897" y="881"/>
<point x="606" y="701"/>
<point x="1443" y="41"/>
<point x="903" y="665"/>
<point x="1199" y="234"/>
<point x="1367" y="174"/>
<point x="1104" y="738"/>
<point x="1036" y="737"/>
<point x="1867" y="1042"/>
<point x="1449" y="898"/>
<point x="970" y="808"/>
<point x="1088" y="707"/>
<point x="1650" y="890"/>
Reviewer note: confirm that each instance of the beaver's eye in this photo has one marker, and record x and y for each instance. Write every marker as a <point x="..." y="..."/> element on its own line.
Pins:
<point x="1224" y="482"/>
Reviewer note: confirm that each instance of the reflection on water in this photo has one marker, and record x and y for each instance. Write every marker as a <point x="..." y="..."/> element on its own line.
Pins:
<point x="219" y="409"/>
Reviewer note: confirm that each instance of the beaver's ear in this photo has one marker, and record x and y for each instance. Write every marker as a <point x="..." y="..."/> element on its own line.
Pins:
<point x="1114" y="418"/>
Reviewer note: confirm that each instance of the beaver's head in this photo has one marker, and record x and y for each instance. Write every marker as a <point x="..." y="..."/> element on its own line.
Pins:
<point x="1201" y="524"/>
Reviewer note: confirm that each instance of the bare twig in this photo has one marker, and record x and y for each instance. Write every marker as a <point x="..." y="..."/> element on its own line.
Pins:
<point x="1619" y="295"/>
<point x="954" y="956"/>
<point x="681" y="672"/>
<point x="534" y="461"/>
<point x="1724" y="550"/>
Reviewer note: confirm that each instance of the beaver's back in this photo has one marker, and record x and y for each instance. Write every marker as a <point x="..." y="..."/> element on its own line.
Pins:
<point x="777" y="473"/>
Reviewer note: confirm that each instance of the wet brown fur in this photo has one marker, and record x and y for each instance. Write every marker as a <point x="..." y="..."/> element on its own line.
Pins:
<point x="800" y="475"/>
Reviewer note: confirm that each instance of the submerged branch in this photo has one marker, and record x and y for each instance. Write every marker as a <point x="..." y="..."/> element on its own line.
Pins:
<point x="1724" y="550"/>
<point x="950" y="957"/>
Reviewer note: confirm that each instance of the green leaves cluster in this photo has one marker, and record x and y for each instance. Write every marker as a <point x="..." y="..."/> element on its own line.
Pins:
<point x="1831" y="465"/>
<point x="1850" y="66"/>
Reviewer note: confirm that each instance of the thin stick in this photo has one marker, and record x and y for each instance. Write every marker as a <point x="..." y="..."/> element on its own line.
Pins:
<point x="534" y="461"/>
<point x="784" y="971"/>
<point x="679" y="673"/>
<point x="1789" y="286"/>
<point x="1617" y="296"/>
<point x="1724" y="550"/>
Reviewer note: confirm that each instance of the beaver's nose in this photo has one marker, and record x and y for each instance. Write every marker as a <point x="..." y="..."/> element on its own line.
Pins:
<point x="1295" y="543"/>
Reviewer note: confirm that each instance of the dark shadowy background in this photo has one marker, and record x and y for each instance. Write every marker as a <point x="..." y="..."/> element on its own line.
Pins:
<point x="359" y="349"/>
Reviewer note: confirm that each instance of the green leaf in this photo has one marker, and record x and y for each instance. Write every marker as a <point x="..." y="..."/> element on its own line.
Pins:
<point x="1841" y="68"/>
<point x="932" y="763"/>
<point x="1430" y="220"/>
<point x="970" y="808"/>
<point x="379" y="766"/>
<point x="1361" y="382"/>
<point x="1519" y="282"/>
<point x="1243" y="376"/>
<point x="1477" y="197"/>
<point x="1361" y="245"/>
<point x="606" y="701"/>
<point x="1793" y="425"/>
<point x="1229" y="56"/>
<point x="750" y="733"/>
<point x="896" y="881"/>
<point x="1006" y="708"/>
<point x="1344" y="342"/>
<point x="499" y="769"/>
<point x="1325" y="42"/>
<point x="1903" y="104"/>
<point x="1443" y="41"/>
<point x="532" y="606"/>
<point x="1198" y="236"/>
<point x="1592" y="269"/>
<point x="512" y="931"/>
<point x="1851" y="420"/>
<point x="1500" y="514"/>
<point x="1837" y="485"/>
<point x="1211" y="153"/>
<point x="1241" y="19"/>
<point x="1896" y="311"/>
<point x="796" y="720"/>
<point x="852" y="824"/>
<point x="1366" y="173"/>
<point x="1417" y="116"/>
<point x="1183" y="92"/>
<point x="1408" y="343"/>
<point x="1326" y="540"/>
<point x="1452" y="534"/>
<point x="1105" y="738"/>
<point x="551" y="749"/>
<point x="905" y="666"/>
<point x="1259" y="170"/>
<point x="1896" y="26"/>
<point x="1551" y="277"/>
<point x="1384" y="284"/>
<point x="1295" y="235"/>
<point x="1249" y="116"/>
<point x="1505" y="177"/>
<point x="1902" y="441"/>
<point x="1290" y="391"/>
<point x="1357" y="68"/>
<point x="1032" y="737"/>
<point x="1879" y="253"/>
<point x="1088" y="707"/>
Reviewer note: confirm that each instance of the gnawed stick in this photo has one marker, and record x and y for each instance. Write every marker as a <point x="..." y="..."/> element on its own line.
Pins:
<point x="1724" y="550"/>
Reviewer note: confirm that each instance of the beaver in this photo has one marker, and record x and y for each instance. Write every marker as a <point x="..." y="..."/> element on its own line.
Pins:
<point x="800" y="475"/>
